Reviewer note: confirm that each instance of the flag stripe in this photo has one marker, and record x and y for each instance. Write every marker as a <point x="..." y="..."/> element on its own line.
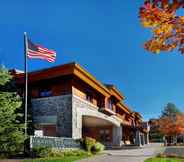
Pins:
<point x="35" y="55"/>
<point x="38" y="57"/>
<point x="39" y="52"/>
<point x="46" y="50"/>
<point x="41" y="56"/>
<point x="44" y="58"/>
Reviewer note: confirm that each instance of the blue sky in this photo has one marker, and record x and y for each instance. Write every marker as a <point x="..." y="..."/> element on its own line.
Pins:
<point x="103" y="36"/>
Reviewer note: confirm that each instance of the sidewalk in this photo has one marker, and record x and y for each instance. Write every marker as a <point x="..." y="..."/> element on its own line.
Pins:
<point x="131" y="155"/>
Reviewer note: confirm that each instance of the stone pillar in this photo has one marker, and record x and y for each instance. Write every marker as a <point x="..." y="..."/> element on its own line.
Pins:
<point x="116" y="135"/>
<point x="76" y="123"/>
<point x="77" y="108"/>
<point x="64" y="117"/>
<point x="146" y="138"/>
<point x="138" y="138"/>
<point x="143" y="139"/>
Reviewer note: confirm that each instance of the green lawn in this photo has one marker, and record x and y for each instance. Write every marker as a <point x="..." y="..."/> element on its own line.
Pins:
<point x="64" y="159"/>
<point x="164" y="160"/>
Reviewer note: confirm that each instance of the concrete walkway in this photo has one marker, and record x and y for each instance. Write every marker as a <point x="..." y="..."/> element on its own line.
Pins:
<point x="130" y="155"/>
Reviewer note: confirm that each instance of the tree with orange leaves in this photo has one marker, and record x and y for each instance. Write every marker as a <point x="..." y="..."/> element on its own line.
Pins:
<point x="171" y="126"/>
<point x="167" y="27"/>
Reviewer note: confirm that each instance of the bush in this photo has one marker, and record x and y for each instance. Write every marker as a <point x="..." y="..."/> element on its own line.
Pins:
<point x="41" y="152"/>
<point x="89" y="143"/>
<point x="64" y="153"/>
<point x="98" y="147"/>
<point x="56" y="153"/>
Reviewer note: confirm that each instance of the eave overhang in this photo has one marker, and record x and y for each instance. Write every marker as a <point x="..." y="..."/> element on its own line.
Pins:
<point x="67" y="69"/>
<point x="124" y="108"/>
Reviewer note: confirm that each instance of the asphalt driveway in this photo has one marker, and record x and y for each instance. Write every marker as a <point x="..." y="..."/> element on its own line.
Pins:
<point x="128" y="155"/>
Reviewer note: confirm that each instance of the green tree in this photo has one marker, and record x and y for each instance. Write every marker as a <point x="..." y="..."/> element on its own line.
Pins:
<point x="11" y="129"/>
<point x="170" y="110"/>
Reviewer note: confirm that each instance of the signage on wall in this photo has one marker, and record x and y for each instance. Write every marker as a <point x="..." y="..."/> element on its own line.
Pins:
<point x="38" y="133"/>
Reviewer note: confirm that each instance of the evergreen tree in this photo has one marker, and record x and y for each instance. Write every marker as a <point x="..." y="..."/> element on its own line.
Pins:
<point x="11" y="129"/>
<point x="170" y="110"/>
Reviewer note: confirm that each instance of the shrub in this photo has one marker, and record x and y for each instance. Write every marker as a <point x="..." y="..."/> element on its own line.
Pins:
<point x="63" y="153"/>
<point x="75" y="153"/>
<point x="89" y="143"/>
<point x="41" y="152"/>
<point x="98" y="147"/>
<point x="56" y="153"/>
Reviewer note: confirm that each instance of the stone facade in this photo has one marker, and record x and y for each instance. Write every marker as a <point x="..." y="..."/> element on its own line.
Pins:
<point x="66" y="113"/>
<point x="55" y="110"/>
<point x="83" y="108"/>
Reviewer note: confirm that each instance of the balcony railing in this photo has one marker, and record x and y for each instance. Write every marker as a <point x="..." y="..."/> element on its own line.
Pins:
<point x="107" y="110"/>
<point x="125" y="122"/>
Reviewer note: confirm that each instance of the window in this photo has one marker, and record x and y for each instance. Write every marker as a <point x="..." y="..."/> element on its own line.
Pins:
<point x="105" y="135"/>
<point x="133" y="123"/>
<point x="110" y="104"/>
<point x="45" y="92"/>
<point x="89" y="97"/>
<point x="118" y="110"/>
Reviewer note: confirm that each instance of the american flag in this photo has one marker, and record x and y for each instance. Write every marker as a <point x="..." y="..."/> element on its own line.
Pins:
<point x="39" y="52"/>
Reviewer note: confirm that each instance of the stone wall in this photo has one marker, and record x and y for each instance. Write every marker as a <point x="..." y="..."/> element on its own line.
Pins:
<point x="53" y="142"/>
<point x="54" y="110"/>
<point x="66" y="113"/>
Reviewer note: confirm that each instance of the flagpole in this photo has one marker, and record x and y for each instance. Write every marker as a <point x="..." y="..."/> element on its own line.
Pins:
<point x="26" y="82"/>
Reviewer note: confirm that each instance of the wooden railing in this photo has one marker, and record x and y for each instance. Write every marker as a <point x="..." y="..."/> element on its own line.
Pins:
<point x="123" y="120"/>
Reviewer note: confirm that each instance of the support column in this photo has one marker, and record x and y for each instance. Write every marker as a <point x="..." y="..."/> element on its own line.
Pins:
<point x="117" y="136"/>
<point x="146" y="138"/>
<point x="138" y="138"/>
<point x="143" y="139"/>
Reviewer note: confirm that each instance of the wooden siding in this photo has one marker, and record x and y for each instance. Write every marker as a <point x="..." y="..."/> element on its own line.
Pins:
<point x="58" y="86"/>
<point x="81" y="89"/>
